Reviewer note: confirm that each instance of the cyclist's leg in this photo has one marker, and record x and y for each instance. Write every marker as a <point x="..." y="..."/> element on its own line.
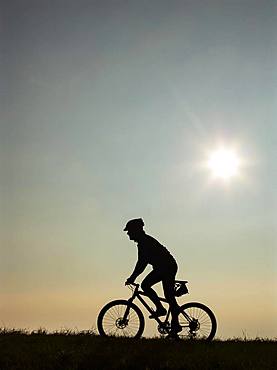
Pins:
<point x="168" y="282"/>
<point x="153" y="278"/>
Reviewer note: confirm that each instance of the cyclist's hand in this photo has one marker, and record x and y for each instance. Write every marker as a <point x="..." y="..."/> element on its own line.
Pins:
<point x="129" y="281"/>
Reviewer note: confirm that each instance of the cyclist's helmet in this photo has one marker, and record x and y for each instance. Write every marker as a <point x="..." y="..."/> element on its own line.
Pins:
<point x="134" y="224"/>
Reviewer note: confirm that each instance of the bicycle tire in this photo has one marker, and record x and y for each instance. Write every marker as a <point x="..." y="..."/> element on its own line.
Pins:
<point x="113" y="311"/>
<point x="206" y="329"/>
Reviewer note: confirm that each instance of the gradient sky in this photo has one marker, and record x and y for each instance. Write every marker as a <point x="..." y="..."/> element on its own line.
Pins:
<point x="109" y="109"/>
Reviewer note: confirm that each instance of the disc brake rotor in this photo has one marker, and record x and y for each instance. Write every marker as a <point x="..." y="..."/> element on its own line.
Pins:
<point x="194" y="325"/>
<point x="120" y="323"/>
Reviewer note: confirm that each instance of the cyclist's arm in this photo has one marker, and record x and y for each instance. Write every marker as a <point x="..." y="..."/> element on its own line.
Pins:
<point x="140" y="266"/>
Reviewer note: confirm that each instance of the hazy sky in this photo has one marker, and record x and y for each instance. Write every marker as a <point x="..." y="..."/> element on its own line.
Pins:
<point x="109" y="110"/>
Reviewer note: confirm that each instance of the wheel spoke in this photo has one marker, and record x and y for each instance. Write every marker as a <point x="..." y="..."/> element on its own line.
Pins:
<point x="200" y="324"/>
<point x="112" y="322"/>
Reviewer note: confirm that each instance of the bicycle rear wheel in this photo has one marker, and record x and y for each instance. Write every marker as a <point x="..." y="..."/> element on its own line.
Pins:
<point x="197" y="321"/>
<point x="120" y="318"/>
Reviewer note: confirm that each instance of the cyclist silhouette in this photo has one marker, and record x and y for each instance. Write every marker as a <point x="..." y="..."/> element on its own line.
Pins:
<point x="150" y="251"/>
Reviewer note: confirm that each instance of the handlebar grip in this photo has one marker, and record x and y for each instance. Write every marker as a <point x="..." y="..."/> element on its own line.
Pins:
<point x="134" y="284"/>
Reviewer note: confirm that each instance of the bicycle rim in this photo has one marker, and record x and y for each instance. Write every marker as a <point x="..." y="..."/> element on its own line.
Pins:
<point x="113" y="321"/>
<point x="201" y="324"/>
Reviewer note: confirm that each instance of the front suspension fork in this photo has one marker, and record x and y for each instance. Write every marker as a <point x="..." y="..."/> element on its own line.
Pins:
<point x="126" y="313"/>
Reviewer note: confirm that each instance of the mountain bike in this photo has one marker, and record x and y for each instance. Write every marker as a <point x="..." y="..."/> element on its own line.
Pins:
<point x="123" y="318"/>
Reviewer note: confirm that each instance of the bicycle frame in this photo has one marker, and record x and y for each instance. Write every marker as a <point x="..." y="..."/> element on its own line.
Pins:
<point x="138" y="294"/>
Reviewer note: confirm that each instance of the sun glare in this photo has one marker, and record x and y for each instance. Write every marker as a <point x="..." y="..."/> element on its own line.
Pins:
<point x="223" y="163"/>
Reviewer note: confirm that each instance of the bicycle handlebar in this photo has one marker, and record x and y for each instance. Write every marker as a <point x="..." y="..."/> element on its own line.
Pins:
<point x="133" y="284"/>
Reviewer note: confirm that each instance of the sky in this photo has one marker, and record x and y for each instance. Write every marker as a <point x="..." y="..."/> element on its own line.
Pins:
<point x="109" y="110"/>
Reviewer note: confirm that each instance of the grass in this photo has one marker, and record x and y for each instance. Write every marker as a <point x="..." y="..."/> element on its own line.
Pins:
<point x="69" y="350"/>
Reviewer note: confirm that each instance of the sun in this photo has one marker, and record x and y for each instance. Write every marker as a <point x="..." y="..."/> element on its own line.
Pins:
<point x="224" y="163"/>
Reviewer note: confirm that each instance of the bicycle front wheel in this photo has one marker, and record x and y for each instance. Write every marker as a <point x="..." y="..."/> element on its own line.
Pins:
<point x="120" y="318"/>
<point x="197" y="321"/>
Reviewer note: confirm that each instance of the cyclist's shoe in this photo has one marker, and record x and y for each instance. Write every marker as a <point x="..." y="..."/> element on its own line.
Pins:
<point x="176" y="329"/>
<point x="160" y="312"/>
<point x="173" y="335"/>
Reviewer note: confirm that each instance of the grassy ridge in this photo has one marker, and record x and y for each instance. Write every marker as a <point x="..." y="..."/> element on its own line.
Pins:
<point x="84" y="351"/>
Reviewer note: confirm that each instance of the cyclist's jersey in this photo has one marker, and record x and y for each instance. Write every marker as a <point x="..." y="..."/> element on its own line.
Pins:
<point x="150" y="251"/>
